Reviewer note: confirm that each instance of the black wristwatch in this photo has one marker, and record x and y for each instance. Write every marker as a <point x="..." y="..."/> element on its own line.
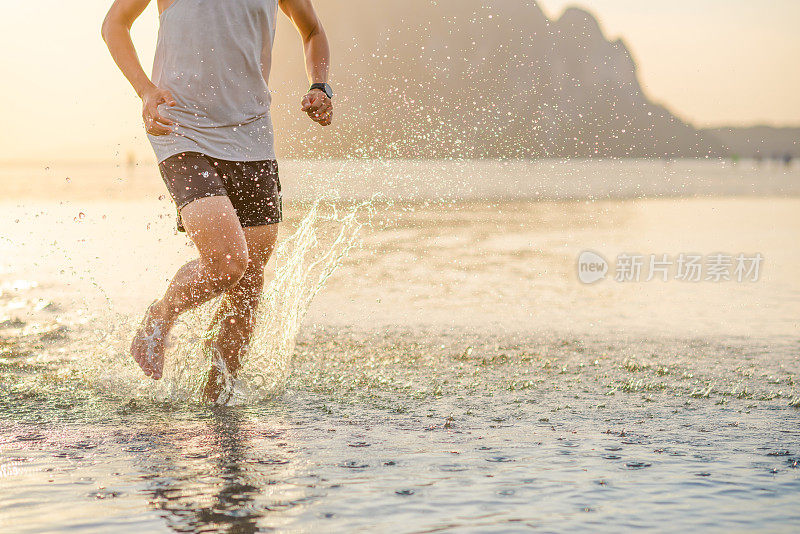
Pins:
<point x="324" y="87"/>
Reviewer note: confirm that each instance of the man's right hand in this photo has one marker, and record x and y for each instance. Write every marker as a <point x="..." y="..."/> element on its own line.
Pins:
<point x="154" y="122"/>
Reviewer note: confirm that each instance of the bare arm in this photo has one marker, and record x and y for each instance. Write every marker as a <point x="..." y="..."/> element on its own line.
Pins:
<point x="116" y="32"/>
<point x="317" y="54"/>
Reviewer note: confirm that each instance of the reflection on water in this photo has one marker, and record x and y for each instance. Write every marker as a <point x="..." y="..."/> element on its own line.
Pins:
<point x="219" y="456"/>
<point x="212" y="478"/>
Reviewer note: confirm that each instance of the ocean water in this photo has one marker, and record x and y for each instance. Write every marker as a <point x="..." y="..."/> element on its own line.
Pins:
<point x="427" y="358"/>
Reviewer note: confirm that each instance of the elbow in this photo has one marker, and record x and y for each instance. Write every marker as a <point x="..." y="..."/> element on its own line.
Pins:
<point x="105" y="28"/>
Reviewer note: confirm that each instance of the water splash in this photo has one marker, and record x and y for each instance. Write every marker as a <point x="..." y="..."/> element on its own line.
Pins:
<point x="303" y="263"/>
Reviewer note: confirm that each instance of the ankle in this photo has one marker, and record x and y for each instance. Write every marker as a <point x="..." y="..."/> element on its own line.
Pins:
<point x="162" y="312"/>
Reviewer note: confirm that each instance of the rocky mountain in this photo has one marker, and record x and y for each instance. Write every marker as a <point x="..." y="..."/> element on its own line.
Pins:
<point x="430" y="79"/>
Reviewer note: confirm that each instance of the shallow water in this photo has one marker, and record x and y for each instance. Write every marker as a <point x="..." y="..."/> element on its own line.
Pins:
<point x="453" y="373"/>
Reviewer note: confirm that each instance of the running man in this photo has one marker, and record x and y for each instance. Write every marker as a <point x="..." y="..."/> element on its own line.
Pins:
<point x="206" y="112"/>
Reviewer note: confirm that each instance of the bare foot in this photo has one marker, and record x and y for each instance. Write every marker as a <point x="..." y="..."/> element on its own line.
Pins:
<point x="213" y="388"/>
<point x="148" y="347"/>
<point x="217" y="387"/>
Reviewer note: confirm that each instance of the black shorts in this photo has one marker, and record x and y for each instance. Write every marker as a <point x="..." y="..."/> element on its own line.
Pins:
<point x="252" y="186"/>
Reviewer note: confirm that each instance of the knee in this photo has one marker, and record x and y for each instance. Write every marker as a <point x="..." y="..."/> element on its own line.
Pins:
<point x="229" y="265"/>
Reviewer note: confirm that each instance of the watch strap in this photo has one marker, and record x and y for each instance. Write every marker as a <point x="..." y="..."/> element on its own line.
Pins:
<point x="324" y="87"/>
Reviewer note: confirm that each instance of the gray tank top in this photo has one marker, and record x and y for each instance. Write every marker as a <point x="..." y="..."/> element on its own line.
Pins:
<point x="214" y="57"/>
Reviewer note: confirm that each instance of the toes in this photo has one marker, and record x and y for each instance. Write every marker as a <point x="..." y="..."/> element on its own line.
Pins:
<point x="156" y="362"/>
<point x="142" y="362"/>
<point x="152" y="366"/>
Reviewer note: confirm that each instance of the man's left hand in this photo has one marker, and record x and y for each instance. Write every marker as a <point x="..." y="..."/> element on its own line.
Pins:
<point x="318" y="107"/>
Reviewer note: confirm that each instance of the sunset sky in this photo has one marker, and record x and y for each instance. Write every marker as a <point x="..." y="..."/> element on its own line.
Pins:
<point x="712" y="62"/>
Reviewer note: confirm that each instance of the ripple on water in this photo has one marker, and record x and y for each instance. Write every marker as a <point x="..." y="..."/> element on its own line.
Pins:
<point x="32" y="437"/>
<point x="271" y="461"/>
<point x="499" y="459"/>
<point x="354" y="464"/>
<point x="637" y="465"/>
<point x="83" y="445"/>
<point x="453" y="468"/>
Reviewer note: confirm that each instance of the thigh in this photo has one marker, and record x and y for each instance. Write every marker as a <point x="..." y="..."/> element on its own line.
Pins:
<point x="254" y="190"/>
<point x="213" y="226"/>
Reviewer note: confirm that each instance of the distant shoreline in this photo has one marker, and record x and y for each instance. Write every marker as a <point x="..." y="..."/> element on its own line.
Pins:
<point x="434" y="180"/>
<point x="765" y="160"/>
